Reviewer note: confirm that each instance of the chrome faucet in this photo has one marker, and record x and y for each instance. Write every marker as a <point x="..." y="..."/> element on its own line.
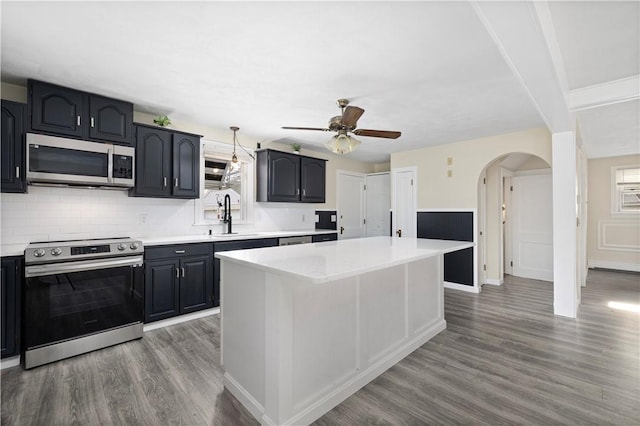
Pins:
<point x="226" y="218"/>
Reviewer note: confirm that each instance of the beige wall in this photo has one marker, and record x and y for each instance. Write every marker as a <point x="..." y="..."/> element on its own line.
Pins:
<point x="606" y="232"/>
<point x="436" y="190"/>
<point x="334" y="163"/>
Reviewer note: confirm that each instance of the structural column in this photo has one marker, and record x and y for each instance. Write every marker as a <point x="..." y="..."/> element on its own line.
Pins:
<point x="565" y="247"/>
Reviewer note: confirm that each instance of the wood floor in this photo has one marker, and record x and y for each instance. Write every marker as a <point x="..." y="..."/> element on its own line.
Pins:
<point x="503" y="359"/>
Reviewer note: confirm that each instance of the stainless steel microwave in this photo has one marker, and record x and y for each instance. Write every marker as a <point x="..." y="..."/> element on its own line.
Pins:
<point x="51" y="159"/>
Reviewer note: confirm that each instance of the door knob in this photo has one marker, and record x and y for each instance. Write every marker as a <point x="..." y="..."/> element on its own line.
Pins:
<point x="399" y="232"/>
<point x="341" y="230"/>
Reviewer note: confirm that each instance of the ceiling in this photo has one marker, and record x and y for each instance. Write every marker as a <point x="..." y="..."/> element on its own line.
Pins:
<point x="428" y="69"/>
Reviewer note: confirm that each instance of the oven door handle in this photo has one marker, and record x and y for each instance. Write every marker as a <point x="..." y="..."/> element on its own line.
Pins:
<point x="79" y="266"/>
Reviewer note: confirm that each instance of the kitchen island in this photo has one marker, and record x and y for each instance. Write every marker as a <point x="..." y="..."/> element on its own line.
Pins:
<point x="304" y="327"/>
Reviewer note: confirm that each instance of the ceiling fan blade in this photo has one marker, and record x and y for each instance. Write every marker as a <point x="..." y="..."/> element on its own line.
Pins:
<point x="351" y="116"/>
<point x="306" y="128"/>
<point x="377" y="133"/>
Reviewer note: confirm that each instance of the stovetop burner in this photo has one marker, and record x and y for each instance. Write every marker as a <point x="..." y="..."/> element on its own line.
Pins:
<point x="72" y="250"/>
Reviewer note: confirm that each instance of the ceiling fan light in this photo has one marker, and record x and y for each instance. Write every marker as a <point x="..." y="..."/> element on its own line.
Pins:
<point x="342" y="144"/>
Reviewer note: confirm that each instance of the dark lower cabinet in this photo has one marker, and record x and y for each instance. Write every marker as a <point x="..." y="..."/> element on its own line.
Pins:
<point x="324" y="237"/>
<point x="234" y="245"/>
<point x="12" y="169"/>
<point x="178" y="280"/>
<point x="167" y="163"/>
<point x="11" y="283"/>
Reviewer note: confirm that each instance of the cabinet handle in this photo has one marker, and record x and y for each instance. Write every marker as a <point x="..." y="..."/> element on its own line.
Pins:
<point x="17" y="171"/>
<point x="182" y="272"/>
<point x="304" y="192"/>
<point x="93" y="122"/>
<point x="78" y="120"/>
<point x="297" y="191"/>
<point x="177" y="273"/>
<point x="176" y="183"/>
<point x="164" y="181"/>
<point x="180" y="251"/>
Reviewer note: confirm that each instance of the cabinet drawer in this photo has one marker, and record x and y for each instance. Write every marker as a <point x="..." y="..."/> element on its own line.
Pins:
<point x="324" y="237"/>
<point x="177" y="250"/>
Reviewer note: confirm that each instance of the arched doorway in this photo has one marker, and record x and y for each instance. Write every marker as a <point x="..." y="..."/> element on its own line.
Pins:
<point x="532" y="254"/>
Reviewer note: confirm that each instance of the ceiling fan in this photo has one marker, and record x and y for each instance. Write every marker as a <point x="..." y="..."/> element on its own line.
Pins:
<point x="346" y="123"/>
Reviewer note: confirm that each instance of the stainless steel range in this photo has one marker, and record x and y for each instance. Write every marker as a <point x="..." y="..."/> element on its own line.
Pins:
<point x="81" y="296"/>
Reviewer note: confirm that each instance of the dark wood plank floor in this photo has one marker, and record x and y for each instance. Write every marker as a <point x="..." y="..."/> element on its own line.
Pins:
<point x="504" y="359"/>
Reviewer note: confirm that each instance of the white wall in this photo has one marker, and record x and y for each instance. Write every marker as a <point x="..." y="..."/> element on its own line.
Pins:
<point x="613" y="241"/>
<point x="437" y="190"/>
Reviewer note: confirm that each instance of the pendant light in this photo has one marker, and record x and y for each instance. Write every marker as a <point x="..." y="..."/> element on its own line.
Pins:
<point x="342" y="143"/>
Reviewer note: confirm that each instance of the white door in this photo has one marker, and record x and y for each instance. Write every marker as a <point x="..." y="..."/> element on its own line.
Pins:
<point x="350" y="205"/>
<point x="403" y="202"/>
<point x="532" y="227"/>
<point x="378" y="203"/>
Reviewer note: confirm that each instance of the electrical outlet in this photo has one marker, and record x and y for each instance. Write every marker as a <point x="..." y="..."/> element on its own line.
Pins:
<point x="449" y="173"/>
<point x="303" y="218"/>
<point x="142" y="218"/>
<point x="449" y="161"/>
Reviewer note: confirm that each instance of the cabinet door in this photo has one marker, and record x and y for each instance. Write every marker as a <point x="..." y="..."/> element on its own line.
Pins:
<point x="196" y="284"/>
<point x="12" y="155"/>
<point x="284" y="177"/>
<point x="10" y="278"/>
<point x="56" y="109"/>
<point x="110" y="120"/>
<point x="186" y="166"/>
<point x="153" y="162"/>
<point x="324" y="237"/>
<point x="312" y="179"/>
<point x="161" y="289"/>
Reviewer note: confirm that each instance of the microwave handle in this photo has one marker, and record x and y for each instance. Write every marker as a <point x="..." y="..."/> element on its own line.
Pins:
<point x="110" y="165"/>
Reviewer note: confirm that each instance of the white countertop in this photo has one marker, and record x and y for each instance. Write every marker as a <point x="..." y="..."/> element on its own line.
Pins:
<point x="248" y="235"/>
<point x="332" y="260"/>
<point x="18" y="249"/>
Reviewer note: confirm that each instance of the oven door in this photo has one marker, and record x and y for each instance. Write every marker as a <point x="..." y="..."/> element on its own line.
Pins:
<point x="69" y="300"/>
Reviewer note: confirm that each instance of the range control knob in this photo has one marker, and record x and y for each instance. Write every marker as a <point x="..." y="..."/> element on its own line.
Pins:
<point x="56" y="251"/>
<point x="39" y="252"/>
<point x="134" y="246"/>
<point x="122" y="246"/>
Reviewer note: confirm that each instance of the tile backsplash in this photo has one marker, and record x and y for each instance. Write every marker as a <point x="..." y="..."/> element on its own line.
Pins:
<point x="62" y="213"/>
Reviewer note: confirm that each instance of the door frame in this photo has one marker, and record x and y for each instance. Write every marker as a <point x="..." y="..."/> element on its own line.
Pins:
<point x="414" y="196"/>
<point x="506" y="232"/>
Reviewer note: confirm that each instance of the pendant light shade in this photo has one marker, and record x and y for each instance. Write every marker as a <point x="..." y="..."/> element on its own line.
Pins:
<point x="342" y="143"/>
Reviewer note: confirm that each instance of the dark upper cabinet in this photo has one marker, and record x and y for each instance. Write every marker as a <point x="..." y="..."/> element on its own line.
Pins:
<point x="64" y="111"/>
<point x="153" y="162"/>
<point x="284" y="177"/>
<point x="56" y="109"/>
<point x="110" y="120"/>
<point x="186" y="165"/>
<point x="312" y="180"/>
<point x="167" y="163"/>
<point x="10" y="281"/>
<point x="178" y="280"/>
<point x="12" y="169"/>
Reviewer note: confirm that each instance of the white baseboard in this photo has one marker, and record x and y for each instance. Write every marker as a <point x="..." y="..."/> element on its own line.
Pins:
<point x="462" y="287"/>
<point x="179" y="319"/>
<point x="493" y="281"/>
<point x="10" y="362"/>
<point x="620" y="266"/>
